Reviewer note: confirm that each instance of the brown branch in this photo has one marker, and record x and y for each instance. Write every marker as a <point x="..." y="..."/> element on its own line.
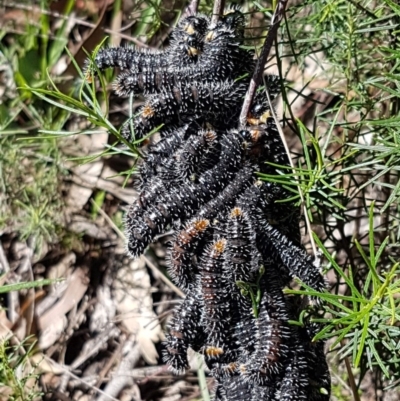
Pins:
<point x="259" y="70"/>
<point x="352" y="381"/>
<point x="219" y="5"/>
<point x="191" y="9"/>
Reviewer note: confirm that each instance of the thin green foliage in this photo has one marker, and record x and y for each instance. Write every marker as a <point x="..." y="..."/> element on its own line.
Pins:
<point x="25" y="286"/>
<point x="346" y="155"/>
<point x="346" y="167"/>
<point x="18" y="379"/>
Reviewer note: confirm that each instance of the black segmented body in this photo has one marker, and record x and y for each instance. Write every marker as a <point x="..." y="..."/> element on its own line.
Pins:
<point x="186" y="42"/>
<point x="297" y="262"/>
<point x="127" y="58"/>
<point x="237" y="389"/>
<point x="158" y="153"/>
<point x="241" y="259"/>
<point x="196" y="155"/>
<point x="245" y="327"/>
<point x="226" y="198"/>
<point x="216" y="302"/>
<point x="184" y="332"/>
<point x="236" y="241"/>
<point x="181" y="252"/>
<point x="295" y="380"/>
<point x="263" y="393"/>
<point x="271" y="348"/>
<point x="187" y="102"/>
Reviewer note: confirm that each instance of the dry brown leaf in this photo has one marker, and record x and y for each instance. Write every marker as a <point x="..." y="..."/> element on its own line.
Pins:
<point x="82" y="225"/>
<point x="60" y="270"/>
<point x="85" y="176"/>
<point x="5" y="326"/>
<point x="132" y="291"/>
<point x="112" y="183"/>
<point x="5" y="393"/>
<point x="53" y="322"/>
<point x="85" y="180"/>
<point x="18" y="19"/>
<point x="45" y="365"/>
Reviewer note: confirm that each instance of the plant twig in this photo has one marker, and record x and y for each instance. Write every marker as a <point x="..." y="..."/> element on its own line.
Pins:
<point x="120" y="380"/>
<point x="191" y="9"/>
<point x="154" y="268"/>
<point x="258" y="72"/>
<point x="352" y="381"/>
<point x="303" y="202"/>
<point x="219" y="5"/>
<point x="12" y="296"/>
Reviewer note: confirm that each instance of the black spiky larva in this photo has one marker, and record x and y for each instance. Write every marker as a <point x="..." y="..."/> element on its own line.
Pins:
<point x="212" y="153"/>
<point x="241" y="256"/>
<point x="178" y="203"/>
<point x="231" y="151"/>
<point x="275" y="149"/>
<point x="151" y="192"/>
<point x="137" y="60"/>
<point x="234" y="19"/>
<point x="187" y="41"/>
<point x="125" y="58"/>
<point x="319" y="379"/>
<point x="272" y="345"/>
<point x="220" y="393"/>
<point x="283" y="214"/>
<point x="216" y="303"/>
<point x="264" y="144"/>
<point x="186" y="44"/>
<point x="226" y="198"/>
<point x="184" y="332"/>
<point x="223" y="57"/>
<point x="297" y="261"/>
<point x="193" y="156"/>
<point x="184" y="203"/>
<point x="222" y="360"/>
<point x="141" y="231"/>
<point x="262" y="201"/>
<point x="146" y="81"/>
<point x="194" y="24"/>
<point x="221" y="371"/>
<point x="185" y="48"/>
<point x="237" y="389"/>
<point x="208" y="70"/>
<point x="295" y="382"/>
<point x="188" y="102"/>
<point x="250" y="199"/>
<point x="216" y="357"/>
<point x="218" y="62"/>
<point x="171" y="140"/>
<point x="245" y="329"/>
<point x="181" y="252"/>
<point x="260" y="108"/>
<point x="153" y="82"/>
<point x="263" y="393"/>
<point x="167" y="171"/>
<point x="257" y="200"/>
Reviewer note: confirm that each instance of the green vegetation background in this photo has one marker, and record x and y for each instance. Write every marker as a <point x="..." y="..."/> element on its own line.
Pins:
<point x="339" y="61"/>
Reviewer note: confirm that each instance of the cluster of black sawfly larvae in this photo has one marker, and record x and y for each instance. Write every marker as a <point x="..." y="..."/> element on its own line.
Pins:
<point x="236" y="242"/>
